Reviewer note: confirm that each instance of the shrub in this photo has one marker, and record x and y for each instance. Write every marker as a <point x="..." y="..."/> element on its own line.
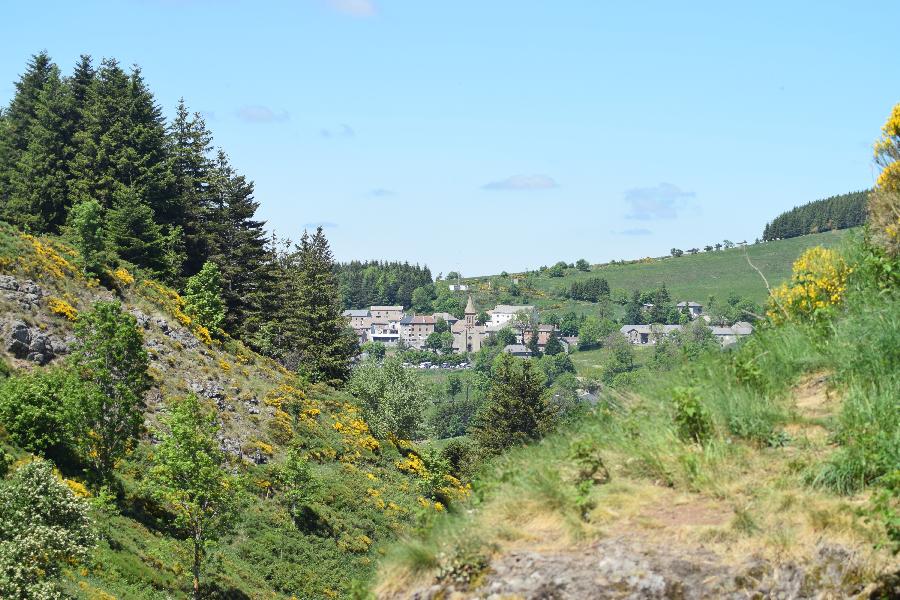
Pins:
<point x="692" y="420"/>
<point x="203" y="297"/>
<point x="817" y="284"/>
<point x="35" y="410"/>
<point x="43" y="528"/>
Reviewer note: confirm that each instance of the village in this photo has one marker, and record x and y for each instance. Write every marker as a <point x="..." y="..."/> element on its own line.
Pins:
<point x="392" y="326"/>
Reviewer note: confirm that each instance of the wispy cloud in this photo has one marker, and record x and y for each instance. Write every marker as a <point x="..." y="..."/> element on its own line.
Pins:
<point x="341" y="131"/>
<point x="381" y="192"/>
<point x="257" y="113"/>
<point x="660" y="202"/>
<point x="322" y="224"/>
<point x="354" y="8"/>
<point x="635" y="231"/>
<point x="522" y="182"/>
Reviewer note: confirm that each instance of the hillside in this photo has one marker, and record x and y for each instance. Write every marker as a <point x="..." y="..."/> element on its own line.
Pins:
<point x="688" y="277"/>
<point x="767" y="471"/>
<point x="361" y="492"/>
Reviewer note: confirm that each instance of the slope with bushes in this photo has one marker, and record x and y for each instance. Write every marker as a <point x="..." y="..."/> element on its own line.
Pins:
<point x="315" y="537"/>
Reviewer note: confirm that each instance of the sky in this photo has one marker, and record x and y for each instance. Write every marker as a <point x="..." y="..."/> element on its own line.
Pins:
<point x="509" y="134"/>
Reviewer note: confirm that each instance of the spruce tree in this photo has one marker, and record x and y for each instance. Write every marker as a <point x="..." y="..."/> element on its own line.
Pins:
<point x="516" y="410"/>
<point x="17" y="121"/>
<point x="239" y="249"/>
<point x="189" y="143"/>
<point x="39" y="183"/>
<point x="317" y="340"/>
<point x="134" y="234"/>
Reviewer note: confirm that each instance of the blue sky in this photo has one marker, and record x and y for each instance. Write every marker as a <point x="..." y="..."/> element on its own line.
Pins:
<point x="484" y="136"/>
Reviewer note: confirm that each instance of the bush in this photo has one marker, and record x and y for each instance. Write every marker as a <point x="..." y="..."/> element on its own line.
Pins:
<point x="817" y="284"/>
<point x="35" y="408"/>
<point x="692" y="420"/>
<point x="43" y="528"/>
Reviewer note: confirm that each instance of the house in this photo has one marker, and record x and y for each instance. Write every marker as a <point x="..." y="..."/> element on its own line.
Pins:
<point x="360" y="321"/>
<point x="570" y="342"/>
<point x="650" y="334"/>
<point x="384" y="331"/>
<point x="693" y="308"/>
<point x="504" y="313"/>
<point x="390" y="313"/>
<point x="467" y="335"/>
<point x="450" y="319"/>
<point x="544" y="332"/>
<point x="647" y="334"/>
<point x="415" y="330"/>
<point x="458" y="287"/>
<point x="518" y="350"/>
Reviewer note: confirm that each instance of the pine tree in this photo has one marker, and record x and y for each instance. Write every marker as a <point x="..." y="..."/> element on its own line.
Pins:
<point x="516" y="410"/>
<point x="553" y="345"/>
<point x="17" y="121"/>
<point x="39" y="183"/>
<point x="189" y="145"/>
<point x="316" y="338"/>
<point x="240" y="250"/>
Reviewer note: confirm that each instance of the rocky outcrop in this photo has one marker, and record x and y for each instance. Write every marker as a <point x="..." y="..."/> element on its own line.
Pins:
<point x="632" y="568"/>
<point x="27" y="294"/>
<point x="30" y="343"/>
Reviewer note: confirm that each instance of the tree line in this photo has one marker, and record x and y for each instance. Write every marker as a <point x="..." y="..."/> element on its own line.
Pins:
<point x="367" y="283"/>
<point x="91" y="156"/>
<point x="836" y="212"/>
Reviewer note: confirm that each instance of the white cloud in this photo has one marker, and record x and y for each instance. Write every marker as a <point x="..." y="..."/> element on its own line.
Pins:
<point x="522" y="182"/>
<point x="354" y="8"/>
<point x="341" y="131"/>
<point x="256" y="113"/>
<point x="660" y="202"/>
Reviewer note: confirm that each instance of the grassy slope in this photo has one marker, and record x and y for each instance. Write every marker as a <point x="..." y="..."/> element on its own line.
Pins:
<point x="803" y="419"/>
<point x="688" y="277"/>
<point x="364" y="499"/>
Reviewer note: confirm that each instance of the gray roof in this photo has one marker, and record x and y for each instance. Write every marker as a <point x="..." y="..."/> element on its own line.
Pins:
<point x="356" y="312"/>
<point x="742" y="328"/>
<point x="516" y="349"/>
<point x="650" y="328"/>
<point x="691" y="304"/>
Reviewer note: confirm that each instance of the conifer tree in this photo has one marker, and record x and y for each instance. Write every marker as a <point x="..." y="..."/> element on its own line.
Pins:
<point x="189" y="143"/>
<point x="134" y="234"/>
<point x="17" y="120"/>
<point x="239" y="249"/>
<point x="516" y="410"/>
<point x="315" y="335"/>
<point x="39" y="183"/>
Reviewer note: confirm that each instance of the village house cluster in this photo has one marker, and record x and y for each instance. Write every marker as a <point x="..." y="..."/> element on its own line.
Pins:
<point x="654" y="332"/>
<point x="390" y="325"/>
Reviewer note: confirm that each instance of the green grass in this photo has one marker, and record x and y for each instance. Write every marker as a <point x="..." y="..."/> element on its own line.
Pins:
<point x="589" y="363"/>
<point x="687" y="278"/>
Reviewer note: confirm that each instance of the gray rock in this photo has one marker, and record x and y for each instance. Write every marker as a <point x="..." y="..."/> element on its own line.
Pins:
<point x="185" y="337"/>
<point x="143" y="320"/>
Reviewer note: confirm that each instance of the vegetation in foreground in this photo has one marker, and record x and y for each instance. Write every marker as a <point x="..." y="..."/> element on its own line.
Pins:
<point x="792" y="438"/>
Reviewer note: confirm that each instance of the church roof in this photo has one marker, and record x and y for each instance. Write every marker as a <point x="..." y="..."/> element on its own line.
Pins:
<point x="470" y="307"/>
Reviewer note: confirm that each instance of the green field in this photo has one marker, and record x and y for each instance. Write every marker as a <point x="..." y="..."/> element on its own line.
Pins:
<point x="689" y="277"/>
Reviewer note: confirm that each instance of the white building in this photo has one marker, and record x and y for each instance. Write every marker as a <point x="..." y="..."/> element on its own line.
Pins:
<point x="506" y="313"/>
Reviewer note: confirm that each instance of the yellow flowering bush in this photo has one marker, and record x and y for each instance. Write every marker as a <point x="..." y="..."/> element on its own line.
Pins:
<point x="281" y="427"/>
<point x="412" y="464"/>
<point x="48" y="259"/>
<point x="818" y="283"/>
<point x="58" y="306"/>
<point x="123" y="276"/>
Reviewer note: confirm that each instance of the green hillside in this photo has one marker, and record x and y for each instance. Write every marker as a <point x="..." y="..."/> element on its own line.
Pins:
<point x="358" y="492"/>
<point x="689" y="277"/>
